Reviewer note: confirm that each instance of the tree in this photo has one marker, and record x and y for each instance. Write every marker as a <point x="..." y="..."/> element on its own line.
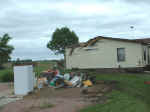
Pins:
<point x="5" y="49"/>
<point x="61" y="39"/>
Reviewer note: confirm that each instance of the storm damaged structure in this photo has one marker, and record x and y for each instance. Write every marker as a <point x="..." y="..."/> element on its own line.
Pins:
<point x="106" y="52"/>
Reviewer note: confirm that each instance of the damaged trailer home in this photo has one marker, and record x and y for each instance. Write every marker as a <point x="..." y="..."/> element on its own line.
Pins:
<point x="109" y="53"/>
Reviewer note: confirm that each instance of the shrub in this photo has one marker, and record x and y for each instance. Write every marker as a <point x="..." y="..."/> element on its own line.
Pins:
<point x="7" y="76"/>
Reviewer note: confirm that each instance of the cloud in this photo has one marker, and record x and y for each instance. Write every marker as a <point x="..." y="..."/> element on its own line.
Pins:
<point x="32" y="49"/>
<point x="137" y="1"/>
<point x="31" y="22"/>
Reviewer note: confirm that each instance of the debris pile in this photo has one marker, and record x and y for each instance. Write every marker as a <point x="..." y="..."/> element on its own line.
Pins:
<point x="53" y="78"/>
<point x="90" y="89"/>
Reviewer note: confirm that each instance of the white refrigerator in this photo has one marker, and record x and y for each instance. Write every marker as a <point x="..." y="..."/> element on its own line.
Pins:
<point x="23" y="79"/>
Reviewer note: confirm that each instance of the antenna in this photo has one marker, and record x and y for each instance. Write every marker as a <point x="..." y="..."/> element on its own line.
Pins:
<point x="133" y="31"/>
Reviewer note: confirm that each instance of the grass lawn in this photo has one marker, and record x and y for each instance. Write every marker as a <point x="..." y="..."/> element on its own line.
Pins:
<point x="133" y="95"/>
<point x="5" y="72"/>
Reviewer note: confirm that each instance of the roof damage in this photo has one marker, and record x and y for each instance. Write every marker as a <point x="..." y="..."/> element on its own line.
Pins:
<point x="145" y="40"/>
<point x="92" y="42"/>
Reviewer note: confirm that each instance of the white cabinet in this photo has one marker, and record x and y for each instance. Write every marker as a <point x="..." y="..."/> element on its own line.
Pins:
<point x="23" y="79"/>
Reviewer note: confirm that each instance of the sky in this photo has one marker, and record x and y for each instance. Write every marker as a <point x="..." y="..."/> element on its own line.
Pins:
<point x="31" y="23"/>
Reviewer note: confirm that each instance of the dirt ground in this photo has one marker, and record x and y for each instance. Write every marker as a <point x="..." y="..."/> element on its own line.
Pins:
<point x="62" y="100"/>
<point x="51" y="100"/>
<point x="6" y="89"/>
<point x="4" y="86"/>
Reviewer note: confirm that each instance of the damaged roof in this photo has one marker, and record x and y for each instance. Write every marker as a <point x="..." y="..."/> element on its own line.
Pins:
<point x="94" y="40"/>
<point x="144" y="40"/>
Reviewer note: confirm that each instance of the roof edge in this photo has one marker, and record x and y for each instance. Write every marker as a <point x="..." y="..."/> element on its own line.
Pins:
<point x="93" y="40"/>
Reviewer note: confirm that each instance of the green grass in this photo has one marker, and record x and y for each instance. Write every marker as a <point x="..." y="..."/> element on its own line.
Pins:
<point x="133" y="95"/>
<point x="5" y="71"/>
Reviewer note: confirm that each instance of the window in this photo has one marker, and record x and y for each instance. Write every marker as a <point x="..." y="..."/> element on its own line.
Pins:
<point x="145" y="55"/>
<point x="121" y="54"/>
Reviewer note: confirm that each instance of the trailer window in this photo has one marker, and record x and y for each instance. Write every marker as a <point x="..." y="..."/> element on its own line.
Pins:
<point x="120" y="54"/>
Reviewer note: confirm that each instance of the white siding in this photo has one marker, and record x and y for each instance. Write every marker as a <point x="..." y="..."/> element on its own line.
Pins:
<point x="105" y="56"/>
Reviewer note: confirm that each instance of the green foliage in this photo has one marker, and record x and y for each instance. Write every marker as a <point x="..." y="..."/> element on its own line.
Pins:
<point x="5" y="49"/>
<point x="133" y="95"/>
<point x="62" y="38"/>
<point x="6" y="76"/>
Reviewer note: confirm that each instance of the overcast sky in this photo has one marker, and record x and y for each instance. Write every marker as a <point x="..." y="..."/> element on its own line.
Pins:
<point x="32" y="22"/>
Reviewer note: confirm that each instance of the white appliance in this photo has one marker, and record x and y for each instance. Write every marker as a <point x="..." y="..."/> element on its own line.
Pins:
<point x="23" y="79"/>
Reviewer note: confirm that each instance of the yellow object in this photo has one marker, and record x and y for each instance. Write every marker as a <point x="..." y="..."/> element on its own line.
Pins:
<point x="87" y="83"/>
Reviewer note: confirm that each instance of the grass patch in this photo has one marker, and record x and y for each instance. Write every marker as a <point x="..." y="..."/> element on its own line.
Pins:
<point x="133" y="95"/>
<point x="6" y="75"/>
